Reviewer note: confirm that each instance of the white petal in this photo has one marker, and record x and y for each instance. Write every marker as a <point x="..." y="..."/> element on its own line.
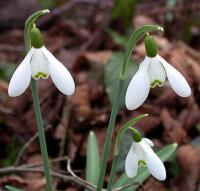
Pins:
<point x="138" y="88"/>
<point x="148" y="141"/>
<point x="176" y="79"/>
<point x="144" y="62"/>
<point x="157" y="73"/>
<point x="39" y="64"/>
<point x="131" y="163"/>
<point x="59" y="74"/>
<point x="21" y="77"/>
<point x="154" y="164"/>
<point x="139" y="151"/>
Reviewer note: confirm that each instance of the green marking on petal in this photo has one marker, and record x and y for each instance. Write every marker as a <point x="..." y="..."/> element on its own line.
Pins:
<point x="40" y="75"/>
<point x="141" y="163"/>
<point x="156" y="83"/>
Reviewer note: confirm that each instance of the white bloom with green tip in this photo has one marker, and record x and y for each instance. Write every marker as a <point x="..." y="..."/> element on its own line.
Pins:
<point x="141" y="154"/>
<point x="39" y="63"/>
<point x="153" y="72"/>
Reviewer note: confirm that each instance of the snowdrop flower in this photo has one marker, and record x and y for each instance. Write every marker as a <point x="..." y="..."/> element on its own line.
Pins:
<point x="153" y="72"/>
<point x="141" y="154"/>
<point x="39" y="63"/>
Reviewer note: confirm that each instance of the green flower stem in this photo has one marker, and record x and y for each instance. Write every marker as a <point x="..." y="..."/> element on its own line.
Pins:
<point x="135" y="37"/>
<point x="112" y="172"/>
<point x="28" y="25"/>
<point x="109" y="134"/>
<point x="43" y="146"/>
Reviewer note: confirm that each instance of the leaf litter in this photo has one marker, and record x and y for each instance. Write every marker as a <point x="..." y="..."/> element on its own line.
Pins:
<point x="172" y="119"/>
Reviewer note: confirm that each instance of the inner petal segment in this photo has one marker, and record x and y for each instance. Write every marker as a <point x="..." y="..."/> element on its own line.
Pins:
<point x="157" y="73"/>
<point x="39" y="65"/>
<point x="141" y="163"/>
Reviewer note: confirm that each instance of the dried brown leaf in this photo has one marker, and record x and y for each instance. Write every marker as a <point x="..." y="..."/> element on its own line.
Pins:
<point x="188" y="157"/>
<point x="173" y="130"/>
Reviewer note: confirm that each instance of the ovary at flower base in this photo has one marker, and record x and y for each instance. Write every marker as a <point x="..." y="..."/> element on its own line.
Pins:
<point x="153" y="72"/>
<point x="39" y="63"/>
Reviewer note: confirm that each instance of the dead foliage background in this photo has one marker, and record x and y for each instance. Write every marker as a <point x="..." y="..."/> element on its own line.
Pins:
<point x="84" y="34"/>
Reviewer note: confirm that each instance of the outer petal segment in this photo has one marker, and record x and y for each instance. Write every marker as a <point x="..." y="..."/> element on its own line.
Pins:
<point x="148" y="142"/>
<point x="138" y="88"/>
<point x="176" y="79"/>
<point x="21" y="77"/>
<point x="59" y="74"/>
<point x="154" y="164"/>
<point x="131" y="163"/>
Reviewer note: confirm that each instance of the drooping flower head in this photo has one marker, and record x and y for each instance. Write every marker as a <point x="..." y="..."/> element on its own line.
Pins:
<point x="39" y="63"/>
<point x="153" y="72"/>
<point x="141" y="154"/>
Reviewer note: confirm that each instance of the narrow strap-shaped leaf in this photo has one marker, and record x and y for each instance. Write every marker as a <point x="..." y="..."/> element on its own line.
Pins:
<point x="11" y="188"/>
<point x="92" y="159"/>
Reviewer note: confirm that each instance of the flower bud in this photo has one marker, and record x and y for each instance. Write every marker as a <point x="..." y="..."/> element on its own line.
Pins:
<point x="36" y="37"/>
<point x="150" y="46"/>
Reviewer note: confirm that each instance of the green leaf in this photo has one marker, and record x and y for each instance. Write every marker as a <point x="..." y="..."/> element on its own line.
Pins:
<point x="6" y="69"/>
<point x="164" y="154"/>
<point x="124" y="9"/>
<point x="46" y="4"/>
<point x="92" y="159"/>
<point x="174" y="167"/>
<point x="118" y="38"/>
<point x="111" y="74"/>
<point x="11" y="188"/>
<point x="11" y="152"/>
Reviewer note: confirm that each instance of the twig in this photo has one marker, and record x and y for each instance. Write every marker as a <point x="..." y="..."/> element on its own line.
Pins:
<point x="194" y="53"/>
<point x="93" y="14"/>
<point x="64" y="122"/>
<point x="72" y="178"/>
<point x="13" y="169"/>
<point x="79" y="181"/>
<point x="91" y="40"/>
<point x="26" y="145"/>
<point x="59" y="159"/>
<point x="60" y="10"/>
<point x="163" y="10"/>
<point x="93" y="187"/>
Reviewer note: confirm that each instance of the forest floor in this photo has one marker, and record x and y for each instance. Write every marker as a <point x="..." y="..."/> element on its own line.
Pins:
<point x="85" y="47"/>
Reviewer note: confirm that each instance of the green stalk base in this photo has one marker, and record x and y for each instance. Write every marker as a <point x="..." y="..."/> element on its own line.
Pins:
<point x="109" y="134"/>
<point x="41" y="133"/>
